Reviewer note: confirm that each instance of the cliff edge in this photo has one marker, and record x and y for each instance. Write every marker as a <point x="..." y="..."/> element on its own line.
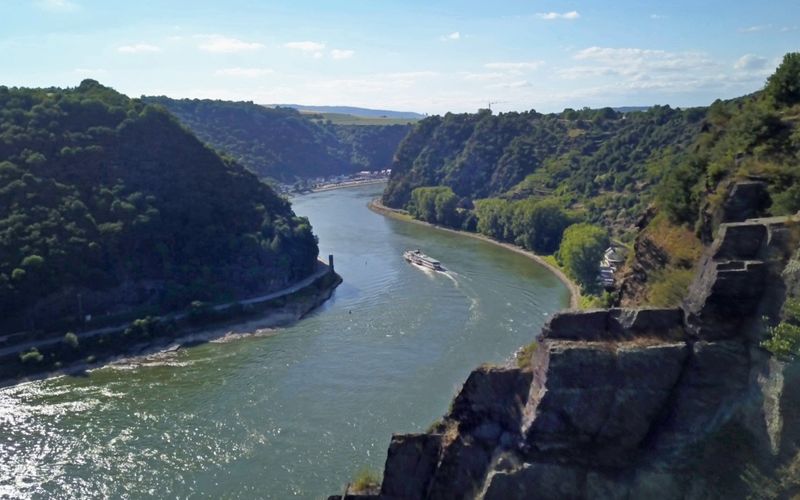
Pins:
<point x="629" y="403"/>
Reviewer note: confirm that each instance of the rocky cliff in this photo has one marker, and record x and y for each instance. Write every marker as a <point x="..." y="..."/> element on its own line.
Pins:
<point x="628" y="403"/>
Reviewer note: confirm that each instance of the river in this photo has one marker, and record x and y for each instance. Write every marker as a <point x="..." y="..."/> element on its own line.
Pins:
<point x="294" y="412"/>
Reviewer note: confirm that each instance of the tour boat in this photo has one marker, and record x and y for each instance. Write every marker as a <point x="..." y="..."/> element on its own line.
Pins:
<point x="420" y="259"/>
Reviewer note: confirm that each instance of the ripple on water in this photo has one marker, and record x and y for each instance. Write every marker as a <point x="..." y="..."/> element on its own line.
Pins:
<point x="295" y="413"/>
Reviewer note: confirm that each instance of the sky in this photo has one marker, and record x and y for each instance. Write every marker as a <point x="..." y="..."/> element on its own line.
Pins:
<point x="425" y="56"/>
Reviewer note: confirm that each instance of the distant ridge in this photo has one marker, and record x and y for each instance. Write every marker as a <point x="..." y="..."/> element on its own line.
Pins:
<point x="631" y="109"/>
<point x="351" y="110"/>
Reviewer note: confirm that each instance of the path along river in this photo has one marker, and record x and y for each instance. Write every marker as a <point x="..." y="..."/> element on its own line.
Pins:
<point x="294" y="412"/>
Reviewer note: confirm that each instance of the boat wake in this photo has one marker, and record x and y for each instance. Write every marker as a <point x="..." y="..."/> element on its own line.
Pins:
<point x="452" y="276"/>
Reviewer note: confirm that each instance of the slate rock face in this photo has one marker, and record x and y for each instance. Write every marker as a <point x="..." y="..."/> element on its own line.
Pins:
<point x="740" y="241"/>
<point x="615" y="325"/>
<point x="600" y="402"/>
<point x="746" y="200"/>
<point x="461" y="470"/>
<point x="492" y="395"/>
<point x="536" y="481"/>
<point x="410" y="464"/>
<point x="713" y="385"/>
<point x="739" y="278"/>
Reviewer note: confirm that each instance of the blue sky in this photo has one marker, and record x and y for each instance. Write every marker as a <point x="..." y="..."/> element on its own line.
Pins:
<point x="415" y="55"/>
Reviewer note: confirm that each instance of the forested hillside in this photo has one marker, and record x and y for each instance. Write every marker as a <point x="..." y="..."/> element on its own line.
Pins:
<point x="601" y="162"/>
<point x="109" y="203"/>
<point x="283" y="144"/>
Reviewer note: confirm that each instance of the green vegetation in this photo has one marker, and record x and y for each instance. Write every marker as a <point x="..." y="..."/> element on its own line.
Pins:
<point x="669" y="286"/>
<point x="599" y="162"/>
<point x="753" y="136"/>
<point x="784" y="338"/>
<point x="107" y="202"/>
<point x="784" y="85"/>
<point x="601" y="301"/>
<point x="71" y="340"/>
<point x="524" y="356"/>
<point x="533" y="224"/>
<point x="366" y="480"/>
<point x="436" y="205"/>
<point x="284" y="144"/>
<point x="581" y="251"/>
<point x="32" y="356"/>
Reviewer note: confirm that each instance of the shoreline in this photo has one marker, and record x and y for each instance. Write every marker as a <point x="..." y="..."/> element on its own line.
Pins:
<point x="343" y="185"/>
<point x="298" y="304"/>
<point x="574" y="292"/>
<point x="349" y="185"/>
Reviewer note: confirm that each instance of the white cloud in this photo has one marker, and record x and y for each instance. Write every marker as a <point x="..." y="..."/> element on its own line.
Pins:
<point x="57" y="5"/>
<point x="516" y="67"/>
<point x="767" y="27"/>
<point x="510" y="85"/>
<point x="339" y="54"/>
<point x="306" y="46"/>
<point x="244" y="72"/>
<point x="218" y="44"/>
<point x="753" y="29"/>
<point x="628" y="71"/>
<point x="138" y="48"/>
<point x="750" y="62"/>
<point x="631" y="61"/>
<point x="551" y="16"/>
<point x="452" y="37"/>
<point x="657" y="16"/>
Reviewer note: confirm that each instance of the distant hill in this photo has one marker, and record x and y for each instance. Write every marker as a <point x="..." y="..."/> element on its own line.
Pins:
<point x="282" y="143"/>
<point x="108" y="204"/>
<point x="631" y="109"/>
<point x="354" y="111"/>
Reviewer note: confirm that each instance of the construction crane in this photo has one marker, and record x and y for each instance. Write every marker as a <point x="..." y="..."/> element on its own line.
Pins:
<point x="494" y="102"/>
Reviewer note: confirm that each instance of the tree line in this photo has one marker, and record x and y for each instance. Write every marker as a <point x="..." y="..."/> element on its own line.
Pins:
<point x="540" y="225"/>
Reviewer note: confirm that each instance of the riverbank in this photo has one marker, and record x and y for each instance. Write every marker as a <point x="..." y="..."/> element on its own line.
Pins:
<point x="92" y="349"/>
<point x="574" y="291"/>
<point x="343" y="185"/>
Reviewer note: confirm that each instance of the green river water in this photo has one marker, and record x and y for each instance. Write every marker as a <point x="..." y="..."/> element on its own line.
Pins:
<point x="294" y="412"/>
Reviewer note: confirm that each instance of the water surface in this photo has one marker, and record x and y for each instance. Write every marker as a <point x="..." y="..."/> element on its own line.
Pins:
<point x="294" y="412"/>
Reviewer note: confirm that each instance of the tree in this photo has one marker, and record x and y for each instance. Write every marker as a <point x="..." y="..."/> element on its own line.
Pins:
<point x="784" y="84"/>
<point x="436" y="205"/>
<point x="492" y="214"/>
<point x="538" y="226"/>
<point x="445" y="203"/>
<point x="581" y="251"/>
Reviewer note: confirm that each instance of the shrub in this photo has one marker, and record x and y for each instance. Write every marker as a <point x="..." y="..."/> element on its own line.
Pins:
<point x="143" y="328"/>
<point x="71" y="340"/>
<point x="784" y="341"/>
<point x="524" y="354"/>
<point x="784" y="338"/>
<point x="366" y="480"/>
<point x="32" y="356"/>
<point x="669" y="286"/>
